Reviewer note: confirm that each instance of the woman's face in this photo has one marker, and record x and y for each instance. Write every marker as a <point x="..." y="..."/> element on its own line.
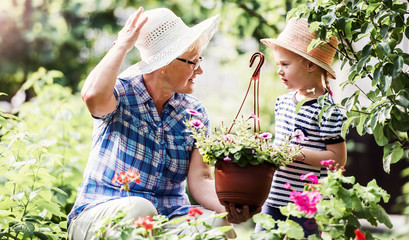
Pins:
<point x="179" y="76"/>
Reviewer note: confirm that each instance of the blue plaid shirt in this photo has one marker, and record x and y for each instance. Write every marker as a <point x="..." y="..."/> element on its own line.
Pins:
<point x="135" y="136"/>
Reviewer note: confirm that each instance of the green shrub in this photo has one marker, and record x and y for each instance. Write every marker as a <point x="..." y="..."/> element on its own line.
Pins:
<point x="42" y="153"/>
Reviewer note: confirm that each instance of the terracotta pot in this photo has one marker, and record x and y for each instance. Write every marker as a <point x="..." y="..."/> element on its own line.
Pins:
<point x="248" y="185"/>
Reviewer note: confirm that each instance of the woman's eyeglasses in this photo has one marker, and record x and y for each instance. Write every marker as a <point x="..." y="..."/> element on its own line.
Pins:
<point x="197" y="64"/>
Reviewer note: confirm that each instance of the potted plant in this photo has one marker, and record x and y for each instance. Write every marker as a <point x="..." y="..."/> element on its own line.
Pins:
<point x="244" y="160"/>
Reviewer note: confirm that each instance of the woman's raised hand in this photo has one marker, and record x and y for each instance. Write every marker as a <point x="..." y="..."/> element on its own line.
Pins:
<point x="130" y="32"/>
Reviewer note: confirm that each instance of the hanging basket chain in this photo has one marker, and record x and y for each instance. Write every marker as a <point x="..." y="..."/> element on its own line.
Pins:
<point x="255" y="80"/>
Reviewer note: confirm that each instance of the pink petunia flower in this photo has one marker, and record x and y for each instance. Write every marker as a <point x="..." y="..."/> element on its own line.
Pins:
<point x="287" y="185"/>
<point x="227" y="158"/>
<point x="299" y="135"/>
<point x="310" y="176"/>
<point x="252" y="115"/>
<point x="265" y="135"/>
<point x="229" y="138"/>
<point x="196" y="123"/>
<point x="327" y="162"/>
<point x="192" y="112"/>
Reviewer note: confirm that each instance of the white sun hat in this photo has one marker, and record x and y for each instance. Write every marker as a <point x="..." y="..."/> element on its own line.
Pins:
<point x="165" y="37"/>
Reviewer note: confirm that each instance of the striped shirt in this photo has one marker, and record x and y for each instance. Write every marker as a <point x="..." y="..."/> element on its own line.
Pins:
<point x="318" y="136"/>
<point x="135" y="136"/>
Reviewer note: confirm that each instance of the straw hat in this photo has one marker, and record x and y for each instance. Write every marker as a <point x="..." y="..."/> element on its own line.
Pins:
<point x="296" y="37"/>
<point x="164" y="37"/>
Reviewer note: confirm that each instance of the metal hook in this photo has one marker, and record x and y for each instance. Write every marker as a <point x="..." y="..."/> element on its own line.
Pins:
<point x="256" y="73"/>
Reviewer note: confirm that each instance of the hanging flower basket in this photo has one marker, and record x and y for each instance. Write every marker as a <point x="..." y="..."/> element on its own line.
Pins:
<point x="244" y="160"/>
<point x="248" y="185"/>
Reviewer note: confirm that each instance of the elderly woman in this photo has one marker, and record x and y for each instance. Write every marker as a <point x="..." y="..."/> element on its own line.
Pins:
<point x="139" y="125"/>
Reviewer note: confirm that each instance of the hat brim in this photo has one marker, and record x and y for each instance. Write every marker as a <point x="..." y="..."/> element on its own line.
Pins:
<point x="272" y="42"/>
<point x="205" y="29"/>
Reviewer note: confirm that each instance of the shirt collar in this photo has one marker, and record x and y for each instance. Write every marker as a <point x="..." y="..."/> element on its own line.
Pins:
<point x="144" y="96"/>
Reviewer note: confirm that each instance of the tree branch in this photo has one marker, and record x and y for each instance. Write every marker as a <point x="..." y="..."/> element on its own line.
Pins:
<point x="256" y="14"/>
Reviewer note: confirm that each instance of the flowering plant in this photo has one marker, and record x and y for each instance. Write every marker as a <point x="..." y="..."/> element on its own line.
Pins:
<point x="124" y="178"/>
<point x="160" y="227"/>
<point x="335" y="202"/>
<point x="191" y="226"/>
<point x="242" y="147"/>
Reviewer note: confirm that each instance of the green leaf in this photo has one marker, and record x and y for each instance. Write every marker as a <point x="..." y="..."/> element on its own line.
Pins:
<point x="386" y="82"/>
<point x="301" y="103"/>
<point x="380" y="138"/>
<point x="346" y="124"/>
<point x="403" y="98"/>
<point x="377" y="75"/>
<point x="351" y="101"/>
<point x="397" y="153"/>
<point x="41" y="235"/>
<point x="380" y="214"/>
<point x="291" y="229"/>
<point x="361" y="64"/>
<point x="383" y="49"/>
<point x="314" y="43"/>
<point x="265" y="220"/>
<point x="407" y="32"/>
<point x="366" y="51"/>
<point x="398" y="63"/>
<point x="237" y="156"/>
<point x="26" y="228"/>
<point x="328" y="18"/>
<point x="324" y="108"/>
<point x="392" y="154"/>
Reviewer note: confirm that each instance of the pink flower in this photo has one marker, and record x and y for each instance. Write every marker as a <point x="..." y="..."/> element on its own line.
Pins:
<point x="306" y="201"/>
<point x="192" y="112"/>
<point x="313" y="179"/>
<point x="229" y="138"/>
<point x="299" y="135"/>
<point x="327" y="162"/>
<point x="227" y="158"/>
<point x="287" y="185"/>
<point x="252" y="115"/>
<point x="265" y="135"/>
<point x="196" y="123"/>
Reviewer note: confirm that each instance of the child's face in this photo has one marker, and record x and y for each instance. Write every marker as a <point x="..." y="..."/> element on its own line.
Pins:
<point x="292" y="69"/>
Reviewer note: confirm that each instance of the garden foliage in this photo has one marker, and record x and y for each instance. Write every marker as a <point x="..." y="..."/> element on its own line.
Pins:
<point x="42" y="153"/>
<point x="336" y="203"/>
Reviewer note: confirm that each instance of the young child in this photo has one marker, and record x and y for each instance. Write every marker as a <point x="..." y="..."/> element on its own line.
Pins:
<point x="307" y="74"/>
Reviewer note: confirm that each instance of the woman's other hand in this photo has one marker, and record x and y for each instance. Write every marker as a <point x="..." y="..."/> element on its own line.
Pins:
<point x="238" y="215"/>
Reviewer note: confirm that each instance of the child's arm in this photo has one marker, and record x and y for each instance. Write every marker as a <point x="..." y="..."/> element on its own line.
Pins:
<point x="336" y="152"/>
